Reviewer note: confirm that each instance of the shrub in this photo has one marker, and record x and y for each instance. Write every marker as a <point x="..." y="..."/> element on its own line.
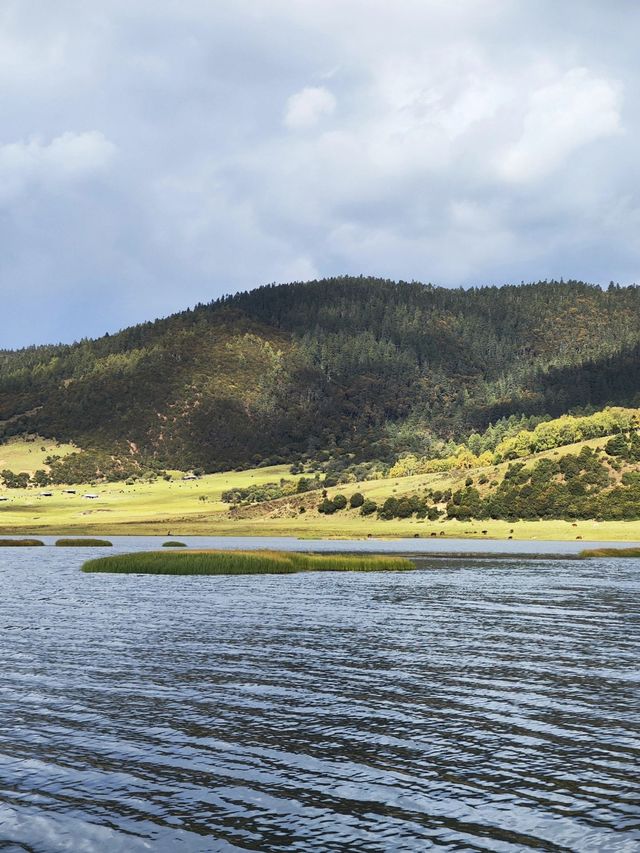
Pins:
<point x="339" y="502"/>
<point x="389" y="509"/>
<point x="616" y="446"/>
<point x="356" y="500"/>
<point x="40" y="478"/>
<point x="368" y="507"/>
<point x="267" y="491"/>
<point x="15" y="481"/>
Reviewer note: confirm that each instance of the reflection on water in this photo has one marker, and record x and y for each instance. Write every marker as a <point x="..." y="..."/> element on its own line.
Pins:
<point x="469" y="706"/>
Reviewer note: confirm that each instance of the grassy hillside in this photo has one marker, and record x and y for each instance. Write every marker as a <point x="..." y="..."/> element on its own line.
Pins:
<point x="17" y="454"/>
<point x="196" y="507"/>
<point x="132" y="507"/>
<point x="351" y="369"/>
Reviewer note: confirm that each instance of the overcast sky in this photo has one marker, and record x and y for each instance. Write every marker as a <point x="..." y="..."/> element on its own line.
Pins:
<point x="158" y="153"/>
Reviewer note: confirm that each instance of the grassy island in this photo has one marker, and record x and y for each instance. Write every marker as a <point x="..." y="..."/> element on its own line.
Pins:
<point x="610" y="552"/>
<point x="19" y="543"/>
<point x="242" y="563"/>
<point x="173" y="544"/>
<point x="84" y="543"/>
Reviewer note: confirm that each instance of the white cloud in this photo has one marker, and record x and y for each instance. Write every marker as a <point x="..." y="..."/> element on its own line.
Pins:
<point x="297" y="269"/>
<point x="466" y="142"/>
<point x="67" y="158"/>
<point x="306" y="108"/>
<point x="78" y="154"/>
<point x="562" y="117"/>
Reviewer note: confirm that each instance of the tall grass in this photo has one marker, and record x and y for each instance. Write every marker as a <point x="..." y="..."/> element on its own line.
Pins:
<point x="349" y="562"/>
<point x="610" y="552"/>
<point x="19" y="543"/>
<point x="86" y="543"/>
<point x="242" y="563"/>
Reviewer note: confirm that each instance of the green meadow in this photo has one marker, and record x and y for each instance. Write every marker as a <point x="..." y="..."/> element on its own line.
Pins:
<point x="194" y="507"/>
<point x="18" y="454"/>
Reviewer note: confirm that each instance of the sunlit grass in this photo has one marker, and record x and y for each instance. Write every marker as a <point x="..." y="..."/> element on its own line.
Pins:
<point x="610" y="552"/>
<point x="17" y="454"/>
<point x="154" y="508"/>
<point x="243" y="563"/>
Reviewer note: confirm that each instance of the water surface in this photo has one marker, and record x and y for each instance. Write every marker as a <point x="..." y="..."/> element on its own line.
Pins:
<point x="472" y="705"/>
<point x="428" y="545"/>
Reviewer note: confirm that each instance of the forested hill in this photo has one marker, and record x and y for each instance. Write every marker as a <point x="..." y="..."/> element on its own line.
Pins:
<point x="356" y="366"/>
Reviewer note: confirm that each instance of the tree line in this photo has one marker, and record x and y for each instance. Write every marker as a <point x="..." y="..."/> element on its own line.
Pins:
<point x="348" y="371"/>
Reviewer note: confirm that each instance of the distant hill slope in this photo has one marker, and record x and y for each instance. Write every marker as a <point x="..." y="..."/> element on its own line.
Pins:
<point x="304" y="368"/>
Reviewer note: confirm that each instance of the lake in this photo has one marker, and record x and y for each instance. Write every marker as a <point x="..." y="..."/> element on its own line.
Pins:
<point x="430" y="545"/>
<point x="471" y="705"/>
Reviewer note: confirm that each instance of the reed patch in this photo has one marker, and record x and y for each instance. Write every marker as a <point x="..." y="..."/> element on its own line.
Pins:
<point x="243" y="563"/>
<point x="610" y="552"/>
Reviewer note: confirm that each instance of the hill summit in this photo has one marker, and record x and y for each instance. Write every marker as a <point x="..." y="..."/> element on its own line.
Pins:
<point x="366" y="368"/>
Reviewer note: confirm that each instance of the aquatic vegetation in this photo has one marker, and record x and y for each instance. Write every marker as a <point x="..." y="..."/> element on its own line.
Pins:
<point x="19" y="543"/>
<point x="86" y="543"/>
<point x="173" y="544"/>
<point x="610" y="552"/>
<point x="243" y="563"/>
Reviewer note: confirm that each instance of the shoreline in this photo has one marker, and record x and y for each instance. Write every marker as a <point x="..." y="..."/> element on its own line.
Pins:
<point x="196" y="508"/>
<point x="529" y="532"/>
<point x="422" y="551"/>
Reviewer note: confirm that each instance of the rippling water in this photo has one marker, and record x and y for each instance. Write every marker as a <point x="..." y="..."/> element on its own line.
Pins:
<point x="473" y="705"/>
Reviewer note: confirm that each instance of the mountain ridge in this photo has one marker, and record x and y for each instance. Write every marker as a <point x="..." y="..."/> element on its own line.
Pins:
<point x="335" y="366"/>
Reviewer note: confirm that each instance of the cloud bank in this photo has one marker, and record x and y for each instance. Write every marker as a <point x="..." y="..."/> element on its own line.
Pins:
<point x="156" y="155"/>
